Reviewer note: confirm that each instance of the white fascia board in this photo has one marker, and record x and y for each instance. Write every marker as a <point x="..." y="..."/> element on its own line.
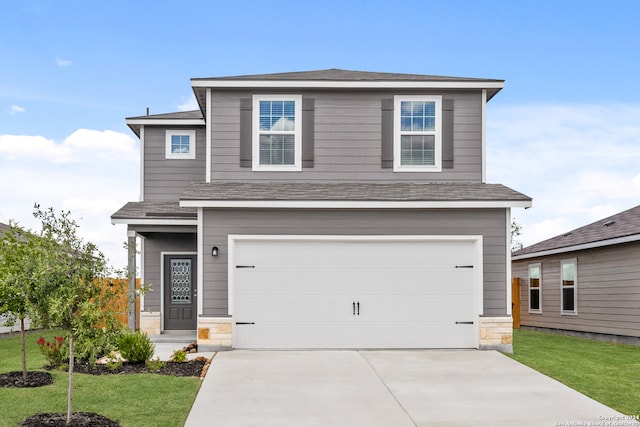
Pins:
<point x="173" y="122"/>
<point x="592" y="245"/>
<point x="144" y="221"/>
<point x="344" y="84"/>
<point x="313" y="204"/>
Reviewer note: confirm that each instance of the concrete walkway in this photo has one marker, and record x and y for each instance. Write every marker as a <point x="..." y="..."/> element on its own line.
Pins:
<point x="386" y="388"/>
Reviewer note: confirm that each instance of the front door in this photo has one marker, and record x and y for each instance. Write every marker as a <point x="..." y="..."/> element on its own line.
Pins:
<point x="180" y="292"/>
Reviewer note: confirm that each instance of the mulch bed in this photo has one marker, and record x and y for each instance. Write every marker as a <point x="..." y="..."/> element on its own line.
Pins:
<point x="34" y="379"/>
<point x="191" y="368"/>
<point x="78" y="419"/>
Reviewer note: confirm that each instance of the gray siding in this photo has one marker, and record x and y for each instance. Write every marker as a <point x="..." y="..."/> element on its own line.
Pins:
<point x="490" y="223"/>
<point x="154" y="244"/>
<point x="166" y="179"/>
<point x="608" y="291"/>
<point x="348" y="128"/>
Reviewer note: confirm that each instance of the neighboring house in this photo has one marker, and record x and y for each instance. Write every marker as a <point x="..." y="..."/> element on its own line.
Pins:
<point x="585" y="280"/>
<point x="325" y="209"/>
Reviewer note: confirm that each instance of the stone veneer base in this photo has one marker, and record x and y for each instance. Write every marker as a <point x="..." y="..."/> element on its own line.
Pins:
<point x="496" y="333"/>
<point x="214" y="333"/>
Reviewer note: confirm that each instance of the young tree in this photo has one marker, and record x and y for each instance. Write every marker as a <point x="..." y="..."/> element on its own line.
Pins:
<point x="516" y="230"/>
<point x="69" y="293"/>
<point x="19" y="254"/>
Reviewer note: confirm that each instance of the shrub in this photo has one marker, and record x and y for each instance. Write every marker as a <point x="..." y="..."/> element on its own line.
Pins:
<point x="96" y="343"/>
<point x="179" y="356"/>
<point x="136" y="347"/>
<point x="55" y="351"/>
<point x="155" y="364"/>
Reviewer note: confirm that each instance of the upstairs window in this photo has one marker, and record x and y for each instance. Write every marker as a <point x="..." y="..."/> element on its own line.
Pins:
<point x="568" y="287"/>
<point x="417" y="140"/>
<point x="277" y="136"/>
<point x="180" y="144"/>
<point x="535" y="288"/>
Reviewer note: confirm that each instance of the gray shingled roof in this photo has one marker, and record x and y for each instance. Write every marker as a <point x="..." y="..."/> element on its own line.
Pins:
<point x="154" y="210"/>
<point x="3" y="227"/>
<point x="335" y="74"/>
<point x="623" y="224"/>
<point x="301" y="191"/>
<point x="134" y="122"/>
<point x="186" y="115"/>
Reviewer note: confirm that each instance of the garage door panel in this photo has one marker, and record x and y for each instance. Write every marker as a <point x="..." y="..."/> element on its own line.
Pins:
<point x="300" y="294"/>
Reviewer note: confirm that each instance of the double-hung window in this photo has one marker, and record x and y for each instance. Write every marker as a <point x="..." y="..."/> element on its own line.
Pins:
<point x="180" y="144"/>
<point x="535" y="288"/>
<point x="277" y="132"/>
<point x="569" y="286"/>
<point x="417" y="139"/>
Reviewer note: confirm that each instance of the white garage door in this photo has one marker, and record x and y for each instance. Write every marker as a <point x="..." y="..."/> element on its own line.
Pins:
<point x="354" y="293"/>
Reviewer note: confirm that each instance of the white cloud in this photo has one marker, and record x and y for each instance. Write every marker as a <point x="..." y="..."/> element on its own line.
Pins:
<point x="81" y="145"/>
<point x="580" y="163"/>
<point x="63" y="62"/>
<point x="17" y="109"/>
<point x="91" y="173"/>
<point x="188" y="104"/>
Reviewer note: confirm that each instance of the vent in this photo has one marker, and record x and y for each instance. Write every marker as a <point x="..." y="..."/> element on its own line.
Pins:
<point x="566" y="234"/>
<point x="608" y="223"/>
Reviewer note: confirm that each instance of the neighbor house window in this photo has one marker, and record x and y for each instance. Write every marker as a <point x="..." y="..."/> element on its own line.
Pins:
<point x="417" y="139"/>
<point x="180" y="144"/>
<point x="535" y="288"/>
<point x="568" y="286"/>
<point x="277" y="132"/>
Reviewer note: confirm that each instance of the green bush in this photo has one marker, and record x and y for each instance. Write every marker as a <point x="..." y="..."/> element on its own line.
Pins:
<point x="179" y="356"/>
<point x="96" y="343"/>
<point x="155" y="364"/>
<point x="136" y="347"/>
<point x="56" y="352"/>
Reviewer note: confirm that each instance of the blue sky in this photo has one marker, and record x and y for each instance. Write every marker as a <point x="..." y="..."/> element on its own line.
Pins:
<point x="564" y="130"/>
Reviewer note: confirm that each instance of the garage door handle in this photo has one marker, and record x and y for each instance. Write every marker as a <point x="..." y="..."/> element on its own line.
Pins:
<point x="358" y="308"/>
<point x="245" y="266"/>
<point x="464" y="323"/>
<point x="245" y="323"/>
<point x="464" y="266"/>
<point x="354" y="308"/>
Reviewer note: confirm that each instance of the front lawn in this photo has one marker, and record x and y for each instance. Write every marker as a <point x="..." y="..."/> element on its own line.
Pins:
<point x="132" y="400"/>
<point x="608" y="373"/>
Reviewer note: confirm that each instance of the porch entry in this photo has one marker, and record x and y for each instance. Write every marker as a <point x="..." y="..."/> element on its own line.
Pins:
<point x="180" y="292"/>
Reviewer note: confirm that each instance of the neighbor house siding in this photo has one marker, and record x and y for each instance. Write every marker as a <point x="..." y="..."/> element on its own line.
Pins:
<point x="347" y="138"/>
<point x="608" y="291"/>
<point x="154" y="245"/>
<point x="219" y="223"/>
<point x="166" y="179"/>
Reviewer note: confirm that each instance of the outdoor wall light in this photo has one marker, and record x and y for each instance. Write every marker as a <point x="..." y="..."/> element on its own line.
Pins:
<point x="214" y="251"/>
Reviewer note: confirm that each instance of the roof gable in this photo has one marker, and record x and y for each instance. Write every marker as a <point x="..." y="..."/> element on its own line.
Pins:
<point x="603" y="232"/>
<point x="335" y="74"/>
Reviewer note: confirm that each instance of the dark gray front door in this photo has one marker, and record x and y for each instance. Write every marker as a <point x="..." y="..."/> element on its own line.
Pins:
<point x="180" y="292"/>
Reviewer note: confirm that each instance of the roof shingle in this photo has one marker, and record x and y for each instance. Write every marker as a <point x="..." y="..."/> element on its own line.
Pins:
<point x="623" y="224"/>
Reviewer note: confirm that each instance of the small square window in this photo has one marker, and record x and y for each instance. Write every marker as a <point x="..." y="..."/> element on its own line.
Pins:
<point x="180" y="144"/>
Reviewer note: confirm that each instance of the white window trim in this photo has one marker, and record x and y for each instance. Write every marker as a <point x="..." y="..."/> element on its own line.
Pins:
<point x="573" y="312"/>
<point x="397" y="152"/>
<point x="297" y="132"/>
<point x="538" y="310"/>
<point x="192" y="144"/>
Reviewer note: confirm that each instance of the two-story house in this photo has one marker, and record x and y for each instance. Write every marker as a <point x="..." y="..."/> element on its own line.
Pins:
<point x="325" y="209"/>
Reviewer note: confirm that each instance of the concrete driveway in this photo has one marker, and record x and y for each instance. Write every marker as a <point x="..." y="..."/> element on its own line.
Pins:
<point x="391" y="388"/>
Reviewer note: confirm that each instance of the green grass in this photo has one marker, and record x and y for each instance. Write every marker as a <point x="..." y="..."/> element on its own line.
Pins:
<point x="608" y="373"/>
<point x="132" y="400"/>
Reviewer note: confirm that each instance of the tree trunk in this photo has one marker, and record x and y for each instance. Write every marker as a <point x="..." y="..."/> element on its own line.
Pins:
<point x="70" y="391"/>
<point x="24" y="352"/>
